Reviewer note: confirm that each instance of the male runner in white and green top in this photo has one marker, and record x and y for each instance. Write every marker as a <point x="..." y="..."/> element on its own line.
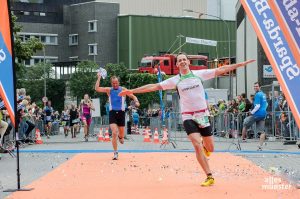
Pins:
<point x="193" y="105"/>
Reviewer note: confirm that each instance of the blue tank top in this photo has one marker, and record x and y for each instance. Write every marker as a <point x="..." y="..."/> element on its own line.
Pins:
<point x="116" y="102"/>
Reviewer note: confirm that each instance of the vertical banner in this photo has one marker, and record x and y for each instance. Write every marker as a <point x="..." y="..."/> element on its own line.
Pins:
<point x="6" y="61"/>
<point x="277" y="50"/>
<point x="287" y="13"/>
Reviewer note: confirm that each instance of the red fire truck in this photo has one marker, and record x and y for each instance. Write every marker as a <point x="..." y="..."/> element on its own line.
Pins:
<point x="167" y="62"/>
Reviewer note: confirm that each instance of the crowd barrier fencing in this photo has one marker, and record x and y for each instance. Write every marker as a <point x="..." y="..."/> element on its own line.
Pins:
<point x="229" y="125"/>
<point x="225" y="126"/>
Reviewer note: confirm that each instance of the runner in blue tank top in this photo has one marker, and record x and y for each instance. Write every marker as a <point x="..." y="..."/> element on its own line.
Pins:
<point x="116" y="110"/>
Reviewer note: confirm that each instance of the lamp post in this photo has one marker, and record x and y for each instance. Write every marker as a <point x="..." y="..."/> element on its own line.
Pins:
<point x="216" y="79"/>
<point x="228" y="35"/>
<point x="44" y="61"/>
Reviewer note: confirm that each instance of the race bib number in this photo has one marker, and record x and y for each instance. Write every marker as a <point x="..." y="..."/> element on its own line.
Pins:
<point x="202" y="119"/>
<point x="75" y="121"/>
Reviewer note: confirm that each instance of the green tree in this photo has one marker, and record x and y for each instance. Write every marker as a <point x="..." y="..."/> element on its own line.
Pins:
<point x="140" y="79"/>
<point x="23" y="50"/>
<point x="38" y="71"/>
<point x="55" y="91"/>
<point x="83" y="80"/>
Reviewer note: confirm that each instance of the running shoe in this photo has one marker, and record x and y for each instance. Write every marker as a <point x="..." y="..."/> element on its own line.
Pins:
<point x="116" y="156"/>
<point x="206" y="152"/>
<point x="208" y="181"/>
<point x="259" y="148"/>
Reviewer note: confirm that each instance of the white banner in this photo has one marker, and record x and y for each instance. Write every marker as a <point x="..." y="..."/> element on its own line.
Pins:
<point x="97" y="111"/>
<point x="268" y="72"/>
<point x="201" y="41"/>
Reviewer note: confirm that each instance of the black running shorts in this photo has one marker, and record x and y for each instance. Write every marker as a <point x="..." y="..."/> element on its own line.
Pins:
<point x="117" y="117"/>
<point x="191" y="126"/>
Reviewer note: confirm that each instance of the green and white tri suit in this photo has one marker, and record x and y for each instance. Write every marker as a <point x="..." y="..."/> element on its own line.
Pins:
<point x="191" y="91"/>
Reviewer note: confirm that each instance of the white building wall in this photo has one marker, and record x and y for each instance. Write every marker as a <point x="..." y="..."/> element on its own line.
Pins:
<point x="224" y="9"/>
<point x="240" y="56"/>
<point x="251" y="49"/>
<point x="173" y="8"/>
<point x="251" y="53"/>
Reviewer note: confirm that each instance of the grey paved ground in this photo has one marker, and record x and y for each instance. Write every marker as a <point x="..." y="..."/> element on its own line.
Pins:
<point x="37" y="160"/>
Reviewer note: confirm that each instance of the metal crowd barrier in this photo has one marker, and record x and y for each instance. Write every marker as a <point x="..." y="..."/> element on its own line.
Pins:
<point x="230" y="125"/>
<point x="97" y="123"/>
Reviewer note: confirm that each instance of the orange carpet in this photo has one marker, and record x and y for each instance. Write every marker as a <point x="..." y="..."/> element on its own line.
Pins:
<point x="156" y="176"/>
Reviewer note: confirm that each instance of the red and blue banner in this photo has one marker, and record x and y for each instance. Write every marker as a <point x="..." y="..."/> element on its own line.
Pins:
<point x="7" y="91"/>
<point x="277" y="50"/>
<point x="287" y="14"/>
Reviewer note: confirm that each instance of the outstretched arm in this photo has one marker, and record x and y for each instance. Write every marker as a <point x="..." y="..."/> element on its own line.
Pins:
<point x="227" y="68"/>
<point x="135" y="99"/>
<point x="98" y="88"/>
<point x="143" y="89"/>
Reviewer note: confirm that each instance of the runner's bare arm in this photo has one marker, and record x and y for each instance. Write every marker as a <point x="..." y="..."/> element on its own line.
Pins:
<point x="143" y="89"/>
<point x="100" y="89"/>
<point x="135" y="99"/>
<point x="227" y="68"/>
<point x="91" y="106"/>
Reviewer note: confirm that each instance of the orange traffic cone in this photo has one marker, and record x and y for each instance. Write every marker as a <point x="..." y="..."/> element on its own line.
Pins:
<point x="100" y="136"/>
<point x="146" y="137"/>
<point x="165" y="139"/>
<point x="38" y="139"/>
<point x="107" y="138"/>
<point x="155" y="137"/>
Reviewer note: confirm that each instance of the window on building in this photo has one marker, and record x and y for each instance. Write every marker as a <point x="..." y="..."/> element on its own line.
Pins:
<point x="27" y="62"/>
<point x="47" y="39"/>
<point x="40" y="59"/>
<point x="74" y="58"/>
<point x="92" y="26"/>
<point x="43" y="39"/>
<point x="92" y="49"/>
<point x="42" y="14"/>
<point x="26" y="13"/>
<point x="36" y="61"/>
<point x="73" y="39"/>
<point x="26" y="37"/>
<point x="53" y="39"/>
<point x="166" y="62"/>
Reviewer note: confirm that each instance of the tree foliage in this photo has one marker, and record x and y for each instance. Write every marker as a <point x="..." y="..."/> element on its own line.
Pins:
<point x="55" y="91"/>
<point x="23" y="50"/>
<point x="83" y="80"/>
<point x="140" y="79"/>
<point x="38" y="71"/>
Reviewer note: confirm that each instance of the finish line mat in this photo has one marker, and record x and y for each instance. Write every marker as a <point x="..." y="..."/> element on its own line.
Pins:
<point x="156" y="175"/>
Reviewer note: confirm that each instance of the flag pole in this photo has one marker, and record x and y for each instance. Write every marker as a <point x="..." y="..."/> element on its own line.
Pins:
<point x="15" y="107"/>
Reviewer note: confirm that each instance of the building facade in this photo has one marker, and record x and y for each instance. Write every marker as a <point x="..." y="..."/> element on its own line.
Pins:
<point x="249" y="47"/>
<point x="70" y="29"/>
<point x="148" y="35"/>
